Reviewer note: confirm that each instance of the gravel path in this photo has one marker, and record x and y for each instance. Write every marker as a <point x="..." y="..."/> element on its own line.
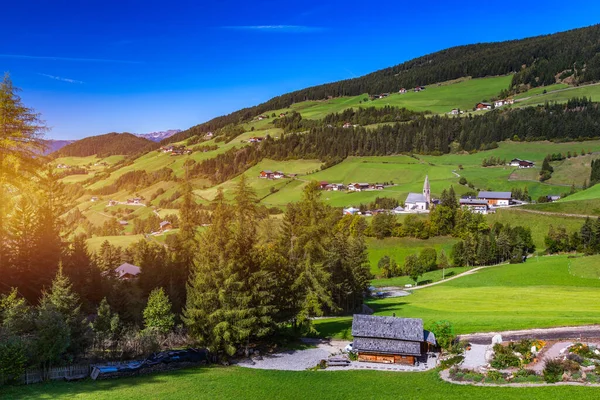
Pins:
<point x="300" y="360"/>
<point x="296" y="360"/>
<point x="475" y="357"/>
<point x="568" y="332"/>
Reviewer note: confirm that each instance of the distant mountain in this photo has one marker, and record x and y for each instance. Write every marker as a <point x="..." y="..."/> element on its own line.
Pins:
<point x="158" y="136"/>
<point x="55" y="145"/>
<point x="110" y="144"/>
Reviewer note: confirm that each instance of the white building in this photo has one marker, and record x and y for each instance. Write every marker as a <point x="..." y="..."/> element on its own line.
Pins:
<point x="419" y="202"/>
<point x="496" y="199"/>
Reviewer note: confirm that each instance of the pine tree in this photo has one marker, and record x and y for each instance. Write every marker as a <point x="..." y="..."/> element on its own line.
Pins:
<point x="65" y="301"/>
<point x="105" y="325"/>
<point x="157" y="314"/>
<point x="21" y="131"/>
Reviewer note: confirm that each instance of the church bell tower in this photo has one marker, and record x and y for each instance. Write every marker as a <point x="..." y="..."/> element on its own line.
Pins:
<point x="427" y="191"/>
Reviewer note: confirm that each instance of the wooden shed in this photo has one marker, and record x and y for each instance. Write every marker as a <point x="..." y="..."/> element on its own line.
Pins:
<point x="390" y="340"/>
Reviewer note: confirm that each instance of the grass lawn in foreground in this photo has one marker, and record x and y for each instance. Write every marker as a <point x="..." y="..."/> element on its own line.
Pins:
<point x="537" y="294"/>
<point x="244" y="383"/>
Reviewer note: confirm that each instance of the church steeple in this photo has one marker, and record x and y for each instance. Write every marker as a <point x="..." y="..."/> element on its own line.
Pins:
<point x="427" y="191"/>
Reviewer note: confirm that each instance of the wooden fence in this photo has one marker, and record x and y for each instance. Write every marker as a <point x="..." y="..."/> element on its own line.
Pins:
<point x="82" y="370"/>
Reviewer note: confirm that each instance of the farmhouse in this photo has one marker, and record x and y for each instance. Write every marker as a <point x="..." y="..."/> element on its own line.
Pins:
<point x="350" y="211"/>
<point x="337" y="187"/>
<point x="390" y="340"/>
<point x="255" y="139"/>
<point x="419" y="202"/>
<point x="210" y="134"/>
<point x="165" y="226"/>
<point x="123" y="223"/>
<point x="347" y="125"/>
<point x="402" y="91"/>
<point x="475" y="205"/>
<point x="94" y="199"/>
<point x="112" y="203"/>
<point x="515" y="162"/>
<point x="483" y="106"/>
<point x="552" y="198"/>
<point x="323" y="185"/>
<point x="455" y="111"/>
<point x="278" y="175"/>
<point x="358" y="187"/>
<point x="419" y="88"/>
<point x="127" y="271"/>
<point x="281" y="115"/>
<point x="267" y="174"/>
<point x="526" y="164"/>
<point x="496" y="199"/>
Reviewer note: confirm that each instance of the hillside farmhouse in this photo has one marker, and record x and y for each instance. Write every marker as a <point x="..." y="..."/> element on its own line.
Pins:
<point x="390" y="340"/>
<point x="517" y="162"/>
<point x="165" y="226"/>
<point x="483" y="106"/>
<point x="419" y="88"/>
<point x="350" y="211"/>
<point x="127" y="271"/>
<point x="358" y="187"/>
<point x="476" y="206"/>
<point x="455" y="111"/>
<point x="496" y="199"/>
<point x="418" y="202"/>
<point x="500" y="103"/>
<point x="255" y="139"/>
<point x="402" y="91"/>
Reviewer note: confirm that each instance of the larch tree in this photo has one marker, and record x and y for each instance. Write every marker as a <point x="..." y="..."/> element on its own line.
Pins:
<point x="21" y="131"/>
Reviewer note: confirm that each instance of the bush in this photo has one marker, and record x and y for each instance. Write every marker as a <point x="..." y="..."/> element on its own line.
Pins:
<point x="593" y="377"/>
<point x="12" y="359"/>
<point x="462" y="180"/>
<point x="450" y="362"/>
<point x="504" y="357"/>
<point x="494" y="376"/>
<point x="553" y="371"/>
<point x="575" y="358"/>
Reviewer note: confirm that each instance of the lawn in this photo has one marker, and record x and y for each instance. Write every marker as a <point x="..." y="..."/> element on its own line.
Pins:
<point x="122" y="241"/>
<point x="538" y="223"/>
<point x="563" y="96"/>
<point x="517" y="296"/>
<point x="245" y="383"/>
<point x="399" y="248"/>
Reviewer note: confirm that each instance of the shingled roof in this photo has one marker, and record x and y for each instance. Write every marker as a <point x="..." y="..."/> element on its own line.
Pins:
<point x="388" y="328"/>
<point x="388" y="335"/>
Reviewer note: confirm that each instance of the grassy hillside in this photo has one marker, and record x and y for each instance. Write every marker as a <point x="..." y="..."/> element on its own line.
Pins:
<point x="517" y="296"/>
<point x="561" y="95"/>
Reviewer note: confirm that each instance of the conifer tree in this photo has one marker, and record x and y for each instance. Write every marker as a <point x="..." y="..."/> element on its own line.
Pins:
<point x="158" y="314"/>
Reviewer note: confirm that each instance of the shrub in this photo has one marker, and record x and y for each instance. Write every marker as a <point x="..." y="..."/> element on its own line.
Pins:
<point x="504" y="357"/>
<point x="458" y="346"/>
<point x="494" y="376"/>
<point x="445" y="364"/>
<point x="575" y="358"/>
<point x="553" y="371"/>
<point x="593" y="378"/>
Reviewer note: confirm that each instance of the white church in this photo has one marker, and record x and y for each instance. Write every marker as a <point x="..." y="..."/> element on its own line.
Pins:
<point x="417" y="202"/>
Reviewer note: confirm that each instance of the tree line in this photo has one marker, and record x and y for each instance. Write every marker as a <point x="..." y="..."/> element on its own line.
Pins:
<point x="106" y="145"/>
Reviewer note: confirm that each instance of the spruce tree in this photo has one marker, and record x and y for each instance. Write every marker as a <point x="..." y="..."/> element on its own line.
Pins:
<point x="158" y="314"/>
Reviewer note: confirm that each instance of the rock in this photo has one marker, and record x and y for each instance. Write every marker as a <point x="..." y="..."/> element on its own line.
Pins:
<point x="565" y="377"/>
<point x="589" y="368"/>
<point x="496" y="339"/>
<point x="533" y="350"/>
<point x="489" y="355"/>
<point x="597" y="352"/>
<point x="583" y="375"/>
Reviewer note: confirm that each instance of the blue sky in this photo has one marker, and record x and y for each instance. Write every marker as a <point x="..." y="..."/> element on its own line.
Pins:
<point x="92" y="67"/>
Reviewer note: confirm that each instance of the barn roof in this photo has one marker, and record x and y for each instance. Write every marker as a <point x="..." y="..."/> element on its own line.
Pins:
<point x="127" y="268"/>
<point x="371" y="326"/>
<point x="495" y="195"/>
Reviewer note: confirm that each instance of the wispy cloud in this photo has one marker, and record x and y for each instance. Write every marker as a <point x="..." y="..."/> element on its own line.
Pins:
<point x="58" y="78"/>
<point x="276" y="28"/>
<point x="75" y="59"/>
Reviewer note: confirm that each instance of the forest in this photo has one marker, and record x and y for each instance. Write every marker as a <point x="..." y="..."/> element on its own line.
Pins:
<point x="579" y="119"/>
<point x="109" y="144"/>
<point x="535" y="61"/>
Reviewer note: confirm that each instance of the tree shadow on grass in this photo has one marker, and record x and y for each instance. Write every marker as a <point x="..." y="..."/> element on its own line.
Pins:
<point x="89" y="388"/>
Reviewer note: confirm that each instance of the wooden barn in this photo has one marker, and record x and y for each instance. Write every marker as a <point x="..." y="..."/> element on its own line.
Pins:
<point x="390" y="340"/>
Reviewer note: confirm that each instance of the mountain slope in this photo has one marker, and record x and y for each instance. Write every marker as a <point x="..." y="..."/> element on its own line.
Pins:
<point x="55" y="145"/>
<point x="110" y="144"/>
<point x="160" y="135"/>
<point x="535" y="61"/>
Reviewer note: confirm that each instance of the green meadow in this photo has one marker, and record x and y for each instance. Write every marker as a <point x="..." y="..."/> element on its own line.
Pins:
<point x="510" y="296"/>
<point x="399" y="248"/>
<point x="245" y="383"/>
<point x="562" y="96"/>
